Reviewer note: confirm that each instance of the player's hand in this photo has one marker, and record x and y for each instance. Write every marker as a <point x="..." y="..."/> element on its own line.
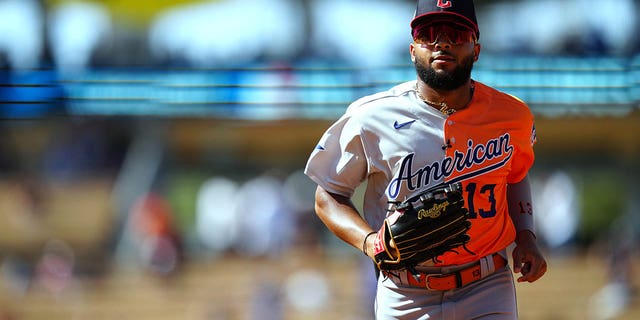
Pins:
<point x="527" y="258"/>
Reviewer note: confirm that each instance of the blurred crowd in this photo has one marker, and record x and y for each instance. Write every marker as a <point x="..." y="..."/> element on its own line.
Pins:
<point x="87" y="199"/>
<point x="107" y="194"/>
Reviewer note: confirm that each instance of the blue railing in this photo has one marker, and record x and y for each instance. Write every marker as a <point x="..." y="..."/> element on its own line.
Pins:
<point x="551" y="86"/>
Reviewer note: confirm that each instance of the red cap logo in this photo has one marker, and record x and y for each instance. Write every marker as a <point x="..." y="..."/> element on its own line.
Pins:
<point x="444" y="4"/>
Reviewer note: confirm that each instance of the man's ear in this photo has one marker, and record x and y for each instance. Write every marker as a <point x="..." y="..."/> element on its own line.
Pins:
<point x="476" y="51"/>
<point x="412" y="50"/>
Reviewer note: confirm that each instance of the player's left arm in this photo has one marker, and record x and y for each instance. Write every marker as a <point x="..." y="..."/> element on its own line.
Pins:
<point x="527" y="258"/>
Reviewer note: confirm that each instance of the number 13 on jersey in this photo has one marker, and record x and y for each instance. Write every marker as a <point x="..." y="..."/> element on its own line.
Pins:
<point x="487" y="191"/>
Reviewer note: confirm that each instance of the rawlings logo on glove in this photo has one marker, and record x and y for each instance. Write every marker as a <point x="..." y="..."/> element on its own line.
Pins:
<point x="422" y="228"/>
<point x="433" y="212"/>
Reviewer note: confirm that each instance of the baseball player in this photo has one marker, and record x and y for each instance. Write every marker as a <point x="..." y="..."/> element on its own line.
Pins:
<point x="444" y="127"/>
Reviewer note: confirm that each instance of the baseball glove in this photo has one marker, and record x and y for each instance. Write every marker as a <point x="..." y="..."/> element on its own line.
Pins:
<point x="422" y="228"/>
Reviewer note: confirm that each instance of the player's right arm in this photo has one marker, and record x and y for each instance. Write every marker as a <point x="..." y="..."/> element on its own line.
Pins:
<point x="342" y="218"/>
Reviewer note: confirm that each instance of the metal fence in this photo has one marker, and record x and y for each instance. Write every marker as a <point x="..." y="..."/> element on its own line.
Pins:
<point x="310" y="90"/>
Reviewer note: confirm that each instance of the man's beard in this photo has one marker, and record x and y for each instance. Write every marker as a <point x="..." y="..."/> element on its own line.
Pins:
<point x="445" y="81"/>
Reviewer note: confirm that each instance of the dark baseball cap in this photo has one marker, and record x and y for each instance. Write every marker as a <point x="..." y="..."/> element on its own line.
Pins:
<point x="458" y="11"/>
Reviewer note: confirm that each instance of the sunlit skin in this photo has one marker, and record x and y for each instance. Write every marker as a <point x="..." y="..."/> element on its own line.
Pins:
<point x="445" y="58"/>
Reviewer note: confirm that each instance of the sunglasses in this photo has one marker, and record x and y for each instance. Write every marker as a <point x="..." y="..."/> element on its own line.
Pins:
<point x="429" y="34"/>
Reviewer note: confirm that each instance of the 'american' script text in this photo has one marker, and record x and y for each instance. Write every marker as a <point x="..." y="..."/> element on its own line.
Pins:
<point x="475" y="157"/>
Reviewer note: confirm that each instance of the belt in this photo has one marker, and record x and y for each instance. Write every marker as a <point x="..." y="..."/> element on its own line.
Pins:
<point x="453" y="280"/>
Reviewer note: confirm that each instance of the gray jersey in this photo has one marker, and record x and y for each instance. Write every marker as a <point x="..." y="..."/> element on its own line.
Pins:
<point x="372" y="139"/>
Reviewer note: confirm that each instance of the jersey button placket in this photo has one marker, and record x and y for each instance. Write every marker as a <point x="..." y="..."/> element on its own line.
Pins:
<point x="449" y="140"/>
